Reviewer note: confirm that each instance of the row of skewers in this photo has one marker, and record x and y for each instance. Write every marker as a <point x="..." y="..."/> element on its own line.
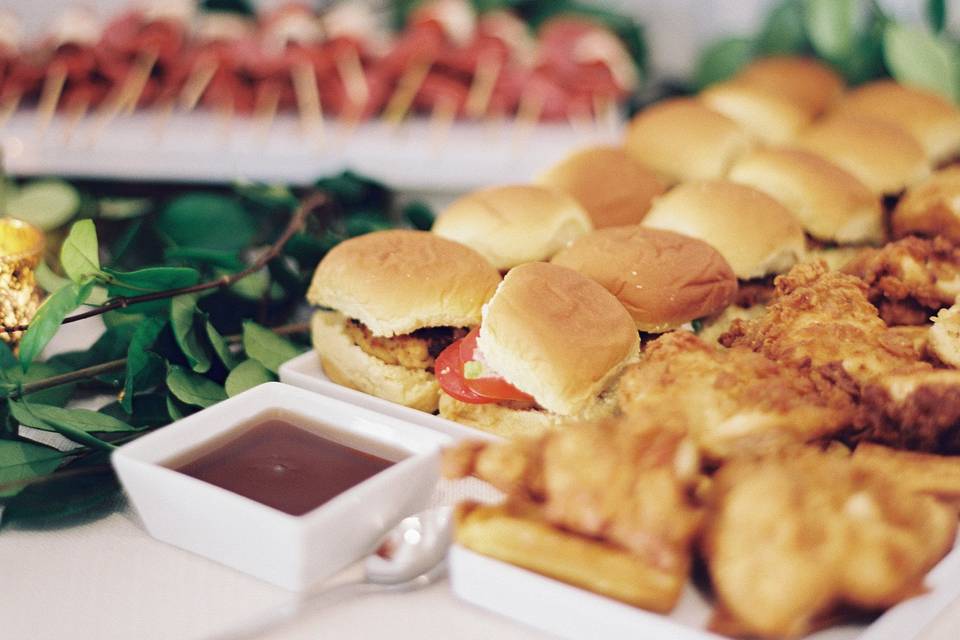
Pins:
<point x="448" y="62"/>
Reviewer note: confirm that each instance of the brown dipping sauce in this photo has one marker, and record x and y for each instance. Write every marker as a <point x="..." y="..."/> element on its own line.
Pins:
<point x="281" y="465"/>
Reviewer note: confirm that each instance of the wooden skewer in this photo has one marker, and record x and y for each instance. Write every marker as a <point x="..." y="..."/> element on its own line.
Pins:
<point x="604" y="113"/>
<point x="481" y="89"/>
<point x="9" y="107"/>
<point x="308" y="99"/>
<point x="136" y="82"/>
<point x="265" y="112"/>
<point x="528" y="115"/>
<point x="196" y="84"/>
<point x="164" y="113"/>
<point x="441" y="121"/>
<point x="53" y="84"/>
<point x="74" y="116"/>
<point x="350" y="69"/>
<point x="399" y="104"/>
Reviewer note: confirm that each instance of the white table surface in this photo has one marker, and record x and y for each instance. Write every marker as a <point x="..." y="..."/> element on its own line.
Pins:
<point x="107" y="579"/>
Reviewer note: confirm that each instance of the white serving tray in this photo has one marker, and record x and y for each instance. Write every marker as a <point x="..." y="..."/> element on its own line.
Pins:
<point x="202" y="147"/>
<point x="569" y="612"/>
<point x="306" y="372"/>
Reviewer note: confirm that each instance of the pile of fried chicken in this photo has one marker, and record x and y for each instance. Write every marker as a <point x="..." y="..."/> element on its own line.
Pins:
<point x="808" y="462"/>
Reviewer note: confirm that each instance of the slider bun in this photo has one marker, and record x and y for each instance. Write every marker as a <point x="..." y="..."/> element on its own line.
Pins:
<point x="884" y="156"/>
<point x="830" y="203"/>
<point x="614" y="188"/>
<point x="756" y="234"/>
<point x="682" y="139"/>
<point x="808" y="83"/>
<point x="512" y="423"/>
<point x="662" y="278"/>
<point x="514" y="224"/>
<point x="931" y="207"/>
<point x="347" y="364"/>
<point x="556" y="335"/>
<point x="399" y="281"/>
<point x="771" y="117"/>
<point x="930" y="118"/>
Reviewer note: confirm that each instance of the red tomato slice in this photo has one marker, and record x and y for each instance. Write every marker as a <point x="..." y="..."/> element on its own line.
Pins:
<point x="449" y="371"/>
<point x="493" y="387"/>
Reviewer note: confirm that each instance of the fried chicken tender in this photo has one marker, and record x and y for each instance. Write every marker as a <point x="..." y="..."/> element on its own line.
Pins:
<point x="415" y="350"/>
<point x="910" y="279"/>
<point x="791" y="537"/>
<point x="823" y="320"/>
<point x="608" y="480"/>
<point x="730" y="400"/>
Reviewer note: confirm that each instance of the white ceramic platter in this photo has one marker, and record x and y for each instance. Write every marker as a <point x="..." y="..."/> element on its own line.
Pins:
<point x="305" y="372"/>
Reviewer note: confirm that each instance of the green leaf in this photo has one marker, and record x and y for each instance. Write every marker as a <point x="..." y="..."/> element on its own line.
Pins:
<point x="783" y="31"/>
<point x="865" y="60"/>
<point x="48" y="280"/>
<point x="419" y="215"/>
<point x="266" y="347"/>
<point x="21" y="460"/>
<point x="51" y="418"/>
<point x="61" y="499"/>
<point x="273" y="197"/>
<point x="48" y="204"/>
<point x="48" y="318"/>
<point x="38" y="371"/>
<point x="193" y="389"/>
<point x="254" y="286"/>
<point x="207" y="221"/>
<point x="123" y="208"/>
<point x="150" y="280"/>
<point x="138" y="358"/>
<point x="149" y="410"/>
<point x="175" y="408"/>
<point x="722" y="60"/>
<point x="936" y="11"/>
<point x="917" y="57"/>
<point x="831" y="26"/>
<point x="183" y="320"/>
<point x="220" y="347"/>
<point x="248" y="374"/>
<point x="213" y="257"/>
<point x="7" y="358"/>
<point x="363" y="222"/>
<point x="79" y="254"/>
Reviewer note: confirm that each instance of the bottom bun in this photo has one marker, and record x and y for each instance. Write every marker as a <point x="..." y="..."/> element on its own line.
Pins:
<point x="512" y="423"/>
<point x="347" y="364"/>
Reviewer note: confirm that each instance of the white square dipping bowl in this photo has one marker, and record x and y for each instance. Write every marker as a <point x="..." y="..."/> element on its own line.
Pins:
<point x="294" y="552"/>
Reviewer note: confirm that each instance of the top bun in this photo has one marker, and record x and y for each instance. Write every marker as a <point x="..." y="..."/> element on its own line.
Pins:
<point x="884" y="156"/>
<point x="771" y="117"/>
<point x="930" y="118"/>
<point x="682" y="139"/>
<point x="756" y="234"/>
<point x="663" y="279"/>
<point x="398" y="281"/>
<point x="930" y="208"/>
<point x="556" y="335"/>
<point x="514" y="224"/>
<point x="808" y="83"/>
<point x="830" y="203"/>
<point x="614" y="188"/>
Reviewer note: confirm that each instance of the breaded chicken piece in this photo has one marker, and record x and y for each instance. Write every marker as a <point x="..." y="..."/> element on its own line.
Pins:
<point x="792" y="537"/>
<point x="730" y="400"/>
<point x="607" y="480"/>
<point x="910" y="279"/>
<point x="943" y="338"/>
<point x="823" y="320"/>
<point x="415" y="350"/>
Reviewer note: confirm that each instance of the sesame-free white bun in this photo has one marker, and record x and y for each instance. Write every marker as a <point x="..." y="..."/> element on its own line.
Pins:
<point x="771" y="117"/>
<point x="609" y="184"/>
<point x="683" y="139"/>
<point x="808" y="83"/>
<point x="884" y="156"/>
<point x="556" y="335"/>
<point x="513" y="423"/>
<point x="398" y="281"/>
<point x="933" y="120"/>
<point x="930" y="208"/>
<point x="831" y="203"/>
<point x="347" y="364"/>
<point x="513" y="224"/>
<point x="663" y="279"/>
<point x="756" y="235"/>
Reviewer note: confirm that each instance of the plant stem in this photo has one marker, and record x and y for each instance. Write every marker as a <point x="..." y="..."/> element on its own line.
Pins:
<point x="309" y="204"/>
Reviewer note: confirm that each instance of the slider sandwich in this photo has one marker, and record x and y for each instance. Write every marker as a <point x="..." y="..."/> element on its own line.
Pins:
<point x="771" y="117"/>
<point x="511" y="225"/>
<point x="930" y="208"/>
<point x="394" y="300"/>
<point x="610" y="185"/>
<point x="931" y="119"/>
<point x="665" y="280"/>
<point x="548" y="352"/>
<point x="682" y="139"/>
<point x="806" y="82"/>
